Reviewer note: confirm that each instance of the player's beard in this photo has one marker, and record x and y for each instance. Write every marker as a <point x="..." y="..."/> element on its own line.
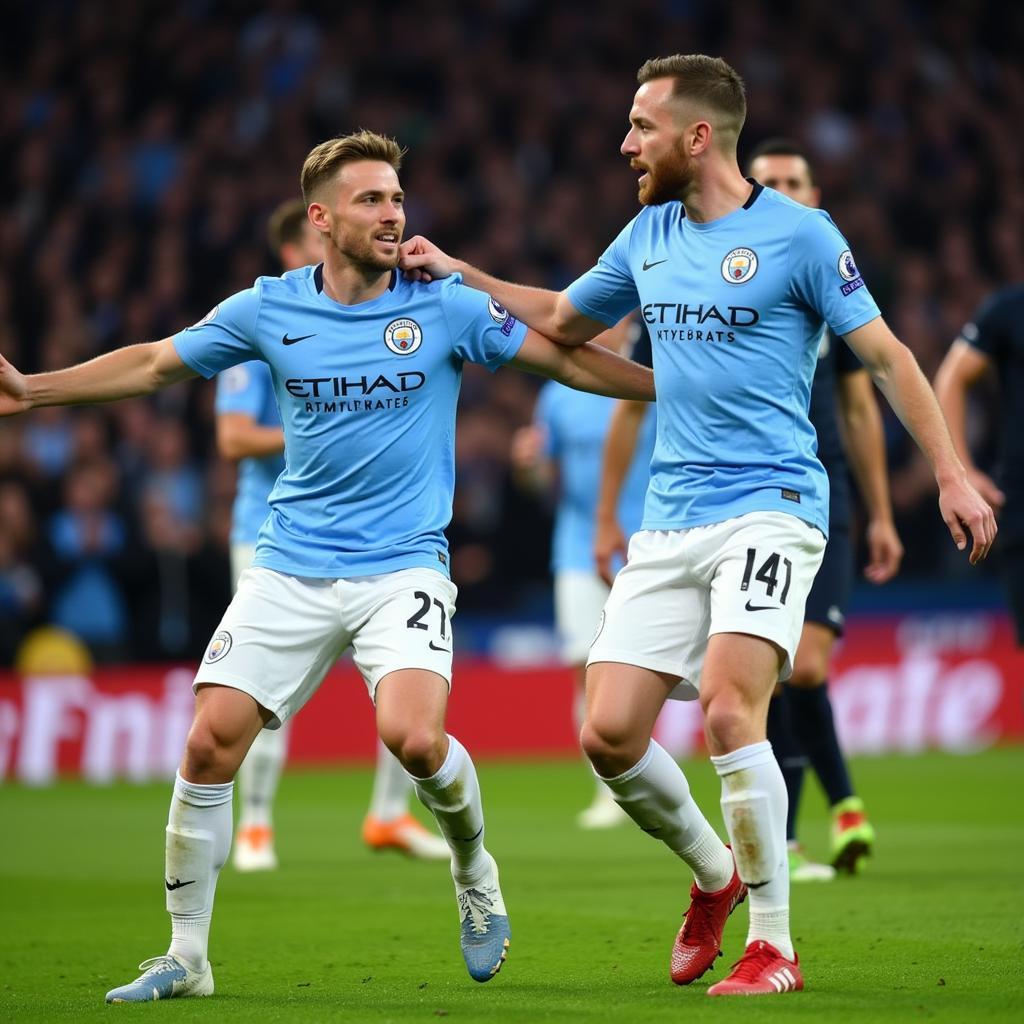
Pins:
<point x="669" y="179"/>
<point x="358" y="251"/>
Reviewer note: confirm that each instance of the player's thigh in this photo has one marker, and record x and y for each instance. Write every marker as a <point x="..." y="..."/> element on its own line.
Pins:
<point x="224" y="726"/>
<point x="276" y="641"/>
<point x="623" y="702"/>
<point x="761" y="568"/>
<point x="241" y="559"/>
<point x="401" y="620"/>
<point x="410" y="704"/>
<point x="656" y="617"/>
<point x="580" y="595"/>
<point x="740" y="673"/>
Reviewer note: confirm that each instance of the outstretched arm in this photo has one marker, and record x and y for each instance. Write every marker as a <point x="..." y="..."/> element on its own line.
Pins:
<point x="123" y="373"/>
<point x="865" y="445"/>
<point x="585" y="367"/>
<point x="550" y="313"/>
<point x="963" y="367"/>
<point x="896" y="372"/>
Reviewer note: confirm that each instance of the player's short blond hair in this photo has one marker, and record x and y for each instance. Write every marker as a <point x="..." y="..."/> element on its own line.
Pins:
<point x="709" y="83"/>
<point x="286" y="225"/>
<point x="325" y="160"/>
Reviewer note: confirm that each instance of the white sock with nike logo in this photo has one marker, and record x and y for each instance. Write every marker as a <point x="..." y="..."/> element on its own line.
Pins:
<point x="198" y="843"/>
<point x="452" y="794"/>
<point x="754" y="805"/>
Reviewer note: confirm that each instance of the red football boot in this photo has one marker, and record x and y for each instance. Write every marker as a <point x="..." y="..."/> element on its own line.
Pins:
<point x="761" y="971"/>
<point x="699" y="941"/>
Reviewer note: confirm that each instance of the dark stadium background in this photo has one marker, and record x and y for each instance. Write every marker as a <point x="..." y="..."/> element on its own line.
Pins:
<point x="145" y="145"/>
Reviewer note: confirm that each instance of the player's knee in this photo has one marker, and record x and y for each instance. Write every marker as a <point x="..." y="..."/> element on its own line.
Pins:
<point x="207" y="756"/>
<point x="610" y="747"/>
<point x="421" y="751"/>
<point x="728" y="723"/>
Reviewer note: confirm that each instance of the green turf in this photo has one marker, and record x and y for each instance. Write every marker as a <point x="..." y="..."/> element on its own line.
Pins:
<point x="932" y="931"/>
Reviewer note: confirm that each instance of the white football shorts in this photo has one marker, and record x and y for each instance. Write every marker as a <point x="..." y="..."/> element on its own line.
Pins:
<point x="579" y="597"/>
<point x="281" y="634"/>
<point x="750" y="574"/>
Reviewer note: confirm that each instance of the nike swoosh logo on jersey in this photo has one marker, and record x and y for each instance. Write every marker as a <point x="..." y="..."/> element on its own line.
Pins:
<point x="177" y="884"/>
<point x="291" y="341"/>
<point x="647" y="266"/>
<point x="760" y="607"/>
<point x="434" y="647"/>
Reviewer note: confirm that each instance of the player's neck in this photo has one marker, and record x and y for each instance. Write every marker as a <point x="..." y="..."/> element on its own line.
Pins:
<point x="716" y="194"/>
<point x="349" y="284"/>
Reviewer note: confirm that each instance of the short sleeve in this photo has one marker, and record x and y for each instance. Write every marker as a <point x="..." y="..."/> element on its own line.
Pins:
<point x="846" y="359"/>
<point x="986" y="330"/>
<point x="482" y="330"/>
<point x="224" y="337"/>
<point x="243" y="389"/>
<point x="545" y="416"/>
<point x="826" y="277"/>
<point x="607" y="292"/>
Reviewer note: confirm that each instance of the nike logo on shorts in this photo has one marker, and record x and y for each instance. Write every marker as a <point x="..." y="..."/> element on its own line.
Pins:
<point x="434" y="647"/>
<point x="760" y="607"/>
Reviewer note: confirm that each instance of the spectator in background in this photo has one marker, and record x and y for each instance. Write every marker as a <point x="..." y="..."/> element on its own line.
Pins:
<point x="21" y="583"/>
<point x="88" y="539"/>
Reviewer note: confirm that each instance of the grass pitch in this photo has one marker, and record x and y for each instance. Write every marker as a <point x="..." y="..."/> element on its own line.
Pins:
<point x="931" y="931"/>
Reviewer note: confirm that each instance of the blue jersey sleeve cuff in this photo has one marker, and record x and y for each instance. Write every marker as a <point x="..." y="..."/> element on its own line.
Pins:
<point x="511" y="350"/>
<point x="590" y="312"/>
<point x="855" y="321"/>
<point x="189" y="359"/>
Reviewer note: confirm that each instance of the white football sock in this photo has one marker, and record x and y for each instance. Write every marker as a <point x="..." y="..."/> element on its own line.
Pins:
<point x="259" y="775"/>
<point x="656" y="795"/>
<point x="754" y="805"/>
<point x="392" y="787"/>
<point x="198" y="843"/>
<point x="453" y="796"/>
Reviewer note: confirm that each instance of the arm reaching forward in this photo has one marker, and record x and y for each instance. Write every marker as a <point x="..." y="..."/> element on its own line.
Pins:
<point x="123" y="373"/>
<point x="550" y="313"/>
<point x="897" y="374"/>
<point x="585" y="367"/>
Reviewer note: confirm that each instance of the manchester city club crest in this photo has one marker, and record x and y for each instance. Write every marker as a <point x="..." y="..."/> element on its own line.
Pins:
<point x="219" y="647"/>
<point x="739" y="266"/>
<point x="403" y="336"/>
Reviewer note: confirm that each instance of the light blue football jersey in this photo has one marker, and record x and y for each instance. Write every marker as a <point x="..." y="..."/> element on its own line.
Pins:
<point x="735" y="309"/>
<point x="576" y="424"/>
<point x="249" y="389"/>
<point x="367" y="395"/>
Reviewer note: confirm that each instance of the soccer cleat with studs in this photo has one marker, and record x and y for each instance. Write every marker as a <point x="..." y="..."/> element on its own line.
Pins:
<point x="483" y="924"/>
<point x="164" y="977"/>
<point x="699" y="941"/>
<point x="761" y="971"/>
<point x="853" y="838"/>
<point x="406" y="835"/>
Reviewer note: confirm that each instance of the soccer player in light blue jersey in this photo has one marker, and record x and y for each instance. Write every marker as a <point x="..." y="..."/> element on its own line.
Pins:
<point x="735" y="282"/>
<point x="249" y="431"/>
<point x="562" y="450"/>
<point x="366" y="368"/>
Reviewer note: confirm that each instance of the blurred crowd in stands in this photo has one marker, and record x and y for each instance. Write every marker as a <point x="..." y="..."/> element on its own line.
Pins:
<point x="146" y="144"/>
